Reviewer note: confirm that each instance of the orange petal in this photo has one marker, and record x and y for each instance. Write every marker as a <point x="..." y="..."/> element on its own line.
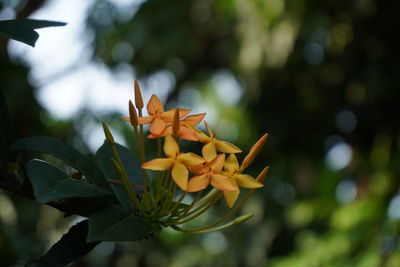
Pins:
<point x="144" y="120"/>
<point x="209" y="152"/>
<point x="164" y="133"/>
<point x="198" y="169"/>
<point x="169" y="115"/>
<point x="223" y="183"/>
<point x="198" y="183"/>
<point x="159" y="164"/>
<point x="253" y="152"/>
<point x="190" y="159"/>
<point x="171" y="148"/>
<point x="157" y="126"/>
<point x="227" y="147"/>
<point x="246" y="181"/>
<point x="154" y="106"/>
<point x="193" y="120"/>
<point x="231" y="197"/>
<point x="180" y="175"/>
<point x="187" y="134"/>
<point x="231" y="164"/>
<point x="202" y="136"/>
<point x="217" y="163"/>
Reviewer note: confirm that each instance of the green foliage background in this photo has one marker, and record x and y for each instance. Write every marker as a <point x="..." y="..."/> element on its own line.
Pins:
<point x="299" y="219"/>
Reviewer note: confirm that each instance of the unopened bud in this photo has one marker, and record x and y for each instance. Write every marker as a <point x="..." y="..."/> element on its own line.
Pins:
<point x="261" y="177"/>
<point x="253" y="152"/>
<point x="175" y="123"/>
<point x="138" y="96"/>
<point x="133" y="117"/>
<point x="108" y="134"/>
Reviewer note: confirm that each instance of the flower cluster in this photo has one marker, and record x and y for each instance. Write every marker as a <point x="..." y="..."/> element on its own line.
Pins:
<point x="217" y="166"/>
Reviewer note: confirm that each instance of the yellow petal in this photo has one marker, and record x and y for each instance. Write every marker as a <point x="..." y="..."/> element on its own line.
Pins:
<point x="210" y="132"/>
<point x="169" y="115"/>
<point x="246" y="181"/>
<point x="198" y="183"/>
<point x="180" y="175"/>
<point x="154" y="106"/>
<point x="171" y="148"/>
<point x="223" y="183"/>
<point x="231" y="197"/>
<point x="227" y="147"/>
<point x="231" y="164"/>
<point x="193" y="120"/>
<point x="187" y="134"/>
<point x="217" y="163"/>
<point x="209" y="152"/>
<point x="190" y="159"/>
<point x="253" y="152"/>
<point x="157" y="126"/>
<point x="159" y="164"/>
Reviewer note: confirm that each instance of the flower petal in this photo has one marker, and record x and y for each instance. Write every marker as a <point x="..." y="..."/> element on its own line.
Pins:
<point x="198" y="169"/>
<point x="227" y="147"/>
<point x="180" y="175"/>
<point x="246" y="181"/>
<point x="171" y="148"/>
<point x="193" y="120"/>
<point x="209" y="152"/>
<point x="231" y="197"/>
<point x="157" y="126"/>
<point x="198" y="183"/>
<point x="169" y="115"/>
<point x="231" y="164"/>
<point x="187" y="134"/>
<point x="160" y="164"/>
<point x="190" y="159"/>
<point x="217" y="163"/>
<point x="145" y="120"/>
<point x="202" y="136"/>
<point x="154" y="106"/>
<point x="223" y="183"/>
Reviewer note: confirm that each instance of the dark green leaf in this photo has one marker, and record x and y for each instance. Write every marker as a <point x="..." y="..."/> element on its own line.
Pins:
<point x="132" y="167"/>
<point x="63" y="151"/>
<point x="69" y="248"/>
<point x="115" y="224"/>
<point x="23" y="30"/>
<point x="50" y="183"/>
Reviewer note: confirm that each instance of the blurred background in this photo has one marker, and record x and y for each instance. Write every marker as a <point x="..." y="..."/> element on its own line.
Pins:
<point x="320" y="76"/>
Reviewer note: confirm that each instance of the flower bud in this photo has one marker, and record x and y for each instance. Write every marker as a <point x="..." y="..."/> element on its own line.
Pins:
<point x="253" y="152"/>
<point x="133" y="117"/>
<point x="138" y="96"/>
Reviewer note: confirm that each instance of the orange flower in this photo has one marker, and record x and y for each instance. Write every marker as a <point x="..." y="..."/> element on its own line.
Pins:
<point x="158" y="118"/>
<point x="176" y="161"/>
<point x="231" y="170"/>
<point x="210" y="173"/>
<point x="185" y="132"/>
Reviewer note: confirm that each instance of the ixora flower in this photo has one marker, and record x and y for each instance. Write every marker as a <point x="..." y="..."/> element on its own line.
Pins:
<point x="159" y="200"/>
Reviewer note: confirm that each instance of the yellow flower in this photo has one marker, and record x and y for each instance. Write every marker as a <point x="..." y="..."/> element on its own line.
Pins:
<point x="231" y="170"/>
<point x="210" y="173"/>
<point x="176" y="161"/>
<point x="212" y="144"/>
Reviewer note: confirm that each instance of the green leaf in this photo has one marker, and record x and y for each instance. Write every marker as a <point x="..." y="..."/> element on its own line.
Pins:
<point x="63" y="151"/>
<point x="132" y="167"/>
<point x="24" y="30"/>
<point x="115" y="224"/>
<point x="69" y="248"/>
<point x="50" y="183"/>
